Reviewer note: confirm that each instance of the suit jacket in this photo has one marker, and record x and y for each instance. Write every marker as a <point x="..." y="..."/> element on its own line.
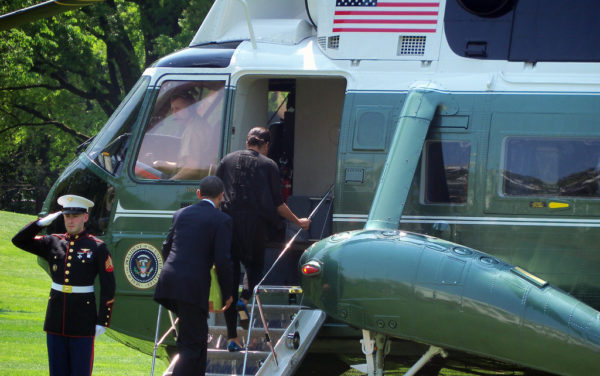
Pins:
<point x="199" y="237"/>
<point x="74" y="260"/>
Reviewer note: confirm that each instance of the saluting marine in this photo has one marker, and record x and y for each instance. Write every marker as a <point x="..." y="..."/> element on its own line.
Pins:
<point x="75" y="259"/>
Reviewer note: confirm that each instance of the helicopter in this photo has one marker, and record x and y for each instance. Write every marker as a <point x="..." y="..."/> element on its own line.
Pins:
<point x="462" y="142"/>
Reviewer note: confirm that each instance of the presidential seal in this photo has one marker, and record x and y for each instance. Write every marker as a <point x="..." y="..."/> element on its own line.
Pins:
<point x="142" y="265"/>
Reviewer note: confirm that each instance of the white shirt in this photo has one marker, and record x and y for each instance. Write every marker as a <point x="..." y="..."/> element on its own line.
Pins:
<point x="212" y="203"/>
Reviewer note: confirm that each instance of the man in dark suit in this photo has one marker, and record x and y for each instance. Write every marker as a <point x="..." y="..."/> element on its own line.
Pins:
<point x="199" y="237"/>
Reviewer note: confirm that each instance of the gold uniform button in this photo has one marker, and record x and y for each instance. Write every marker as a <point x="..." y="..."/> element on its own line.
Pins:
<point x="66" y="280"/>
<point x="70" y="257"/>
<point x="76" y="236"/>
<point x="83" y="261"/>
<point x="55" y="257"/>
<point x="70" y="251"/>
<point x="72" y="243"/>
<point x="109" y="308"/>
<point x="106" y="323"/>
<point x="68" y="264"/>
<point x="88" y="302"/>
<point x="67" y="272"/>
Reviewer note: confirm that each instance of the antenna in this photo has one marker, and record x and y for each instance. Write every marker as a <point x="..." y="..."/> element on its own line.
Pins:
<point x="250" y="29"/>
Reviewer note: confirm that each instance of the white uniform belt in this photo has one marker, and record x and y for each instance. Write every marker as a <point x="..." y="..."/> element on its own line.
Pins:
<point x="72" y="289"/>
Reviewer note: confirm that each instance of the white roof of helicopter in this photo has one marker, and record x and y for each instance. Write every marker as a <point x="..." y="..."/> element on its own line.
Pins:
<point x="278" y="38"/>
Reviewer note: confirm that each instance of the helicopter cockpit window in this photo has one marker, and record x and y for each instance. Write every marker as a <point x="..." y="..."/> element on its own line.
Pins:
<point x="447" y="172"/>
<point x="536" y="166"/>
<point x="182" y="137"/>
<point x="108" y="148"/>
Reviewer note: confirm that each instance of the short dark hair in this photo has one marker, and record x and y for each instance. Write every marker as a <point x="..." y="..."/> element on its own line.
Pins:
<point x="211" y="186"/>
<point x="187" y="97"/>
<point x="258" y="136"/>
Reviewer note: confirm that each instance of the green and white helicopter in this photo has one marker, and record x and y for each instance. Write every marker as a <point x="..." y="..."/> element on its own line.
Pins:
<point x="462" y="142"/>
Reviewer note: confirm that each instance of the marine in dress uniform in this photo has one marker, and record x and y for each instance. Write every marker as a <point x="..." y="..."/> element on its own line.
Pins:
<point x="75" y="259"/>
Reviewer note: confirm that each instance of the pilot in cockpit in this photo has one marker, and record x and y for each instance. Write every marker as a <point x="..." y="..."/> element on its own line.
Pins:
<point x="195" y="144"/>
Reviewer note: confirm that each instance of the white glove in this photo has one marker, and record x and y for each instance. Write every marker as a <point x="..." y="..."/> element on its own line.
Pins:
<point x="43" y="222"/>
<point x="100" y="329"/>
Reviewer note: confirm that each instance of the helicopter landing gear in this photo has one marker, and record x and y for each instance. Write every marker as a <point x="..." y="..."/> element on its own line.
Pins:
<point x="433" y="351"/>
<point x="375" y="351"/>
<point x="376" y="346"/>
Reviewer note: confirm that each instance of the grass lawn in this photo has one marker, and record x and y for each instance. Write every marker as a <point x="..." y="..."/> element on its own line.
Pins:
<point x="24" y="288"/>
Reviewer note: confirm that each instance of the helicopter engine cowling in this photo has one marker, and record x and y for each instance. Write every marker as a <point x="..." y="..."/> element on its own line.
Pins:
<point x="431" y="291"/>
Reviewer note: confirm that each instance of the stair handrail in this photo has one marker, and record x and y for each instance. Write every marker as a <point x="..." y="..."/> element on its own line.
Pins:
<point x="255" y="294"/>
<point x="158" y="342"/>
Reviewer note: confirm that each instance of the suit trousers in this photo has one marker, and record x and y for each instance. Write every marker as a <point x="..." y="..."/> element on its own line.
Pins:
<point x="191" y="340"/>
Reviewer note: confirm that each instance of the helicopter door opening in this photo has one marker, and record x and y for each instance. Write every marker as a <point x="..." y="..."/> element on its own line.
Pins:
<point x="303" y="115"/>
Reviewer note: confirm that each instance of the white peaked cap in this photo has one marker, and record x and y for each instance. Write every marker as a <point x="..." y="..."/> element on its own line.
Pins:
<point x="73" y="204"/>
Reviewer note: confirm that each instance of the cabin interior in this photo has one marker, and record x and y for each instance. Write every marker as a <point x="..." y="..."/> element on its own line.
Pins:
<point x="303" y="114"/>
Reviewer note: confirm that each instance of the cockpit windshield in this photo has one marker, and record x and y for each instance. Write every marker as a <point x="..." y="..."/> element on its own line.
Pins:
<point x="108" y="148"/>
<point x="181" y="140"/>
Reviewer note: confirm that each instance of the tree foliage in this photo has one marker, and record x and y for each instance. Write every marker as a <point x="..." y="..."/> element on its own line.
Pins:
<point x="61" y="77"/>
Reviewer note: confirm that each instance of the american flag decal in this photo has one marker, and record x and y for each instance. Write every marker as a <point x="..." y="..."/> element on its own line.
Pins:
<point x="385" y="16"/>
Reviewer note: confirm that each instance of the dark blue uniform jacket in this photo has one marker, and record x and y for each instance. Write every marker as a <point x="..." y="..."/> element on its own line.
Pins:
<point x="74" y="260"/>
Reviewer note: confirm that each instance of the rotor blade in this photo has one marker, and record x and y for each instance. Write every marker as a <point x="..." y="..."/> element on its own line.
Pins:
<point x="45" y="9"/>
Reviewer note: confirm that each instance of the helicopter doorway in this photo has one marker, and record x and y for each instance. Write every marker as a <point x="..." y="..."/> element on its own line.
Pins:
<point x="303" y="114"/>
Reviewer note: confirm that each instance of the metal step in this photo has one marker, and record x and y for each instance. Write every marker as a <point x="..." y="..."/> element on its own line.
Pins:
<point x="223" y="362"/>
<point x="218" y="338"/>
<point x="294" y="344"/>
<point x="277" y="315"/>
<point x="290" y="348"/>
<point x="292" y="328"/>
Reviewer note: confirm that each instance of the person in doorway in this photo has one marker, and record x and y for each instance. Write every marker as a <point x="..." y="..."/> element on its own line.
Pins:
<point x="199" y="237"/>
<point x="253" y="199"/>
<point x="75" y="259"/>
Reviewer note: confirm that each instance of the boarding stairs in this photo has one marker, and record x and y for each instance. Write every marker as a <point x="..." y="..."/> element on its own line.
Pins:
<point x="281" y="329"/>
<point x="290" y="329"/>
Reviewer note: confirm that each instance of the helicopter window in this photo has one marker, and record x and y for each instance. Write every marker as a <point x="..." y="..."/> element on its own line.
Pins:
<point x="110" y="145"/>
<point x="447" y="172"/>
<point x="535" y="166"/>
<point x="370" y="131"/>
<point x="183" y="134"/>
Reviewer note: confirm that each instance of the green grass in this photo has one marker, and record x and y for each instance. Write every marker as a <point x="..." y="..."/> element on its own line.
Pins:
<point x="24" y="288"/>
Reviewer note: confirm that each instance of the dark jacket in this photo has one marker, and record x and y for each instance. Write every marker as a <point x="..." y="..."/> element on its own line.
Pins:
<point x="199" y="237"/>
<point x="252" y="184"/>
<point x="74" y="260"/>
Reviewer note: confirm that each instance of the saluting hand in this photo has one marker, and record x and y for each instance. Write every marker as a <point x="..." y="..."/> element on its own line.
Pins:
<point x="43" y="222"/>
